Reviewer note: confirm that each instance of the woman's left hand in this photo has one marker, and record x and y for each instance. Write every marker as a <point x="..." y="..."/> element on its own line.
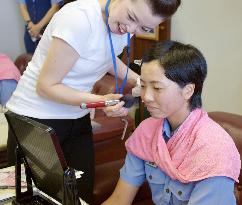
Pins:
<point x="116" y="110"/>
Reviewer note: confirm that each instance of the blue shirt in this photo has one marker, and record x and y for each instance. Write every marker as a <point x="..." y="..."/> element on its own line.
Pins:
<point x="166" y="191"/>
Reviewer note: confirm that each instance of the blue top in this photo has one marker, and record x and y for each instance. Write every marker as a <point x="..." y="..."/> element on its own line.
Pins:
<point x="38" y="8"/>
<point x="52" y="1"/>
<point x="166" y="191"/>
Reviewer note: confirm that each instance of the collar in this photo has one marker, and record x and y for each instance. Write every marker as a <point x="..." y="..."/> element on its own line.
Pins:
<point x="166" y="130"/>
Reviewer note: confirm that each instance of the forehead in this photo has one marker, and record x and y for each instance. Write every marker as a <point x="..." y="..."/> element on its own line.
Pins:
<point x="152" y="71"/>
<point x="141" y="7"/>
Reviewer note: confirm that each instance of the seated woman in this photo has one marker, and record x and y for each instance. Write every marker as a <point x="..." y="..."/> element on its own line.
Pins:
<point x="9" y="77"/>
<point x="185" y="156"/>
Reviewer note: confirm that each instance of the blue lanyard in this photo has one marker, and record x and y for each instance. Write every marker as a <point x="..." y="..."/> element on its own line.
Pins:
<point x="113" y="54"/>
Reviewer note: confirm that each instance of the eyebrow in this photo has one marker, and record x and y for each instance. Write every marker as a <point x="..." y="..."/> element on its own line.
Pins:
<point x="136" y="19"/>
<point x="153" y="82"/>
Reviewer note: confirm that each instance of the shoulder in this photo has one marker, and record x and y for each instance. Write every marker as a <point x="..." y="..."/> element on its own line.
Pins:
<point x="147" y="128"/>
<point x="133" y="171"/>
<point x="70" y="21"/>
<point x="213" y="134"/>
<point x="211" y="144"/>
<point x="82" y="15"/>
<point x="90" y="8"/>
<point x="209" y="131"/>
<point x="150" y="123"/>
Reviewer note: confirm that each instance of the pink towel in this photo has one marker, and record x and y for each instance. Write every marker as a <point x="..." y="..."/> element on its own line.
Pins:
<point x="7" y="69"/>
<point x="199" y="149"/>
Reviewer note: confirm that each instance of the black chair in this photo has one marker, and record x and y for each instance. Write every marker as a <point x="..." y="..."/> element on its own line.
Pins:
<point x="39" y="149"/>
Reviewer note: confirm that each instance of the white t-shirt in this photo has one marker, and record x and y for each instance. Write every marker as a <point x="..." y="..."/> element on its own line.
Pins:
<point x="81" y="25"/>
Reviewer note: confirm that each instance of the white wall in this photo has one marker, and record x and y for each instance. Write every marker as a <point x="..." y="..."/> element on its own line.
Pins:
<point x="11" y="29"/>
<point x="11" y="44"/>
<point x="215" y="27"/>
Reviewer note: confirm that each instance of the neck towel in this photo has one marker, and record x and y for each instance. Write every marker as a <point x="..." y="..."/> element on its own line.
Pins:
<point x="199" y="149"/>
<point x="8" y="71"/>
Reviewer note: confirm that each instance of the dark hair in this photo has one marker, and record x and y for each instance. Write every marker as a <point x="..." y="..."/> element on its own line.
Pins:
<point x="183" y="64"/>
<point x="164" y="8"/>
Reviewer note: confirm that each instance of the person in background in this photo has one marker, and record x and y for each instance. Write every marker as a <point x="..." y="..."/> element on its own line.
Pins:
<point x="9" y="77"/>
<point x="36" y="15"/>
<point x="185" y="156"/>
<point x="79" y="46"/>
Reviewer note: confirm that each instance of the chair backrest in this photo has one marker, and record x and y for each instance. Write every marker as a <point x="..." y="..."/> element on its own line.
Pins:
<point x="107" y="84"/>
<point x="41" y="151"/>
<point x="22" y="61"/>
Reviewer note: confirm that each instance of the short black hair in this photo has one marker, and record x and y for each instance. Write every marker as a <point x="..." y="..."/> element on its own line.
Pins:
<point x="164" y="8"/>
<point x="183" y="64"/>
